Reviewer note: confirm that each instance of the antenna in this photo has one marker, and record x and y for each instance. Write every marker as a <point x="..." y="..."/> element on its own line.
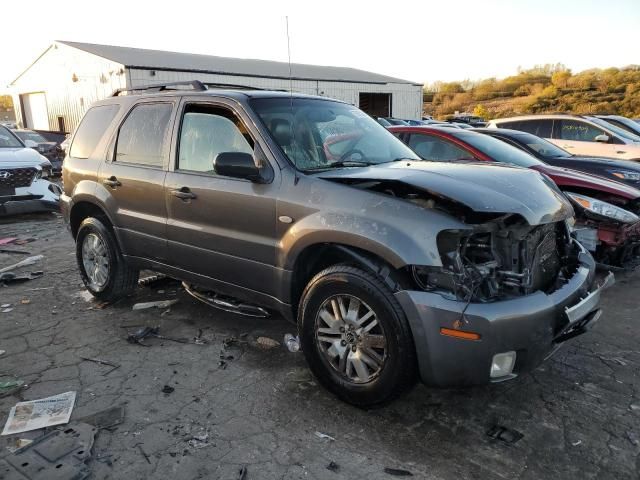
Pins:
<point x="289" y="56"/>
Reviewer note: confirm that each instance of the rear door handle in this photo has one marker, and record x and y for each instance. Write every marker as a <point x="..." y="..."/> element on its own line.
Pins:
<point x="112" y="182"/>
<point x="184" y="194"/>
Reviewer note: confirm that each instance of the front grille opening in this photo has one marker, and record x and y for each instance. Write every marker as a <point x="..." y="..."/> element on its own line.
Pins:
<point x="17" y="177"/>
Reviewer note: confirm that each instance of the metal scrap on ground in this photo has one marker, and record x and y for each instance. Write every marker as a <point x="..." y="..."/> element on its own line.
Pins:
<point x="158" y="304"/>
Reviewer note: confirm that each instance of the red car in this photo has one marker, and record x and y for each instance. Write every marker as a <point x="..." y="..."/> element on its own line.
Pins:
<point x="607" y="221"/>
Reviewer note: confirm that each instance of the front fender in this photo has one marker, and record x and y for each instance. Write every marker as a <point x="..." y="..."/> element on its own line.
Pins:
<point x="400" y="241"/>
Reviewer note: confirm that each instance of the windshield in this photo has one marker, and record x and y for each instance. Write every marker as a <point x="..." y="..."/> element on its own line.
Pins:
<point x="27" y="135"/>
<point x="542" y="147"/>
<point x="8" y="139"/>
<point x="624" y="123"/>
<point x="497" y="149"/>
<point x="321" y="134"/>
<point x="615" y="129"/>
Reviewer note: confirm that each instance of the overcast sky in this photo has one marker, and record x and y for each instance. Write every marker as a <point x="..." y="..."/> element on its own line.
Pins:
<point x="421" y="41"/>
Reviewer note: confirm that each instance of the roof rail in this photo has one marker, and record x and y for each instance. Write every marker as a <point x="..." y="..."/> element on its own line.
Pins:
<point x="231" y="86"/>
<point x="195" y="85"/>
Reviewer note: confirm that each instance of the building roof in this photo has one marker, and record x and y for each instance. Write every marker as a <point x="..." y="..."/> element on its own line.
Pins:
<point x="175" y="61"/>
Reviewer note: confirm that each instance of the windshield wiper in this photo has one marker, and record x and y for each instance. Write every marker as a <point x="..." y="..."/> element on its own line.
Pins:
<point x="341" y="164"/>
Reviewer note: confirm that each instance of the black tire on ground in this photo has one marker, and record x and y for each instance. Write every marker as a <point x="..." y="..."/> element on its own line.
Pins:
<point x="121" y="278"/>
<point x="398" y="372"/>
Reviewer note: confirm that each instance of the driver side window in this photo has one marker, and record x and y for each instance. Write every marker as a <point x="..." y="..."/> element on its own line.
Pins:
<point x="207" y="131"/>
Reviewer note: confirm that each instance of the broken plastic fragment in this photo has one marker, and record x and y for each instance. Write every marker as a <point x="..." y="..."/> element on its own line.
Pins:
<point x="325" y="436"/>
<point x="159" y="304"/>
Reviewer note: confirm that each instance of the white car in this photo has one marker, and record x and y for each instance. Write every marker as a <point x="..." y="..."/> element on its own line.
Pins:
<point x="579" y="135"/>
<point x="24" y="187"/>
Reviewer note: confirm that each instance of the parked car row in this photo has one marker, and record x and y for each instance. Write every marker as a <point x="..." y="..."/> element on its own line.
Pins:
<point x="438" y="259"/>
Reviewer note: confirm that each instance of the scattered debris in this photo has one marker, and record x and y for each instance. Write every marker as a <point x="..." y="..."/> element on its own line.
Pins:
<point x="23" y="263"/>
<point x="150" y="280"/>
<point x="504" y="434"/>
<point x="198" y="340"/>
<point x="10" y="387"/>
<point x="575" y="444"/>
<point x="24" y="241"/>
<point x="635" y="406"/>
<point x="139" y="335"/>
<point x="8" y="240"/>
<point x="105" y="419"/>
<point x="158" y="304"/>
<point x="333" y="467"/>
<point x="267" y="343"/>
<point x="2" y="352"/>
<point x="292" y="343"/>
<point x="5" y="305"/>
<point x="25" y="301"/>
<point x="59" y="455"/>
<point x="10" y="277"/>
<point x="6" y="310"/>
<point x="114" y="366"/>
<point x="325" y="436"/>
<point x="633" y="438"/>
<point x="242" y="474"/>
<point x="45" y="412"/>
<point x="167" y="390"/>
<point x="397" y="472"/>
<point x="199" y="441"/>
<point x="11" y="250"/>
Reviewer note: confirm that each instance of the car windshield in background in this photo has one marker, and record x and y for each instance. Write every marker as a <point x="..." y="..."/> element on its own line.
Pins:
<point x="321" y="134"/>
<point x="498" y="150"/>
<point x="8" y="140"/>
<point x="615" y="129"/>
<point x="33" y="136"/>
<point x="542" y="146"/>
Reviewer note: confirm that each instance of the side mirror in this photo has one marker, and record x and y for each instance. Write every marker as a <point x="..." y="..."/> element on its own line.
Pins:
<point x="602" y="138"/>
<point x="237" y="165"/>
<point x="30" y="144"/>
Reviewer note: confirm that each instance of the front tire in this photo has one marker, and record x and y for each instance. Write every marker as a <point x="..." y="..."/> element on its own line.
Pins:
<point x="355" y="337"/>
<point x="103" y="270"/>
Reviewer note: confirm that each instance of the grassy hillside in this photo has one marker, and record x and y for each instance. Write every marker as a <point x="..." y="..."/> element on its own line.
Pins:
<point x="546" y="88"/>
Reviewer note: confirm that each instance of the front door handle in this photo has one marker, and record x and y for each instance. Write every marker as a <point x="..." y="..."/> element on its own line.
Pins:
<point x="112" y="182"/>
<point x="184" y="194"/>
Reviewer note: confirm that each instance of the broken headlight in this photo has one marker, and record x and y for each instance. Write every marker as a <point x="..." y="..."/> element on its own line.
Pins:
<point x="603" y="209"/>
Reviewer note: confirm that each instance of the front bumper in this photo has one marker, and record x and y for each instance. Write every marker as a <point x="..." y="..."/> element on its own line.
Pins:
<point x="532" y="326"/>
<point x="40" y="196"/>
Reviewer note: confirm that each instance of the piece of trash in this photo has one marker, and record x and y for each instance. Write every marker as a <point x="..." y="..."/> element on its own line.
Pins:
<point x="267" y="343"/>
<point x="10" y="387"/>
<point x="102" y="362"/>
<point x="242" y="474"/>
<point x="6" y="310"/>
<point x="153" y="279"/>
<point x="45" y="412"/>
<point x="59" y="454"/>
<point x="635" y="406"/>
<point x="12" y="250"/>
<point x="222" y="364"/>
<point x="333" y="466"/>
<point x="139" y="335"/>
<point x="108" y="418"/>
<point x="167" y="390"/>
<point x="10" y="277"/>
<point x="25" y="301"/>
<point x="158" y="304"/>
<point x="198" y="340"/>
<point x="199" y="441"/>
<point x="325" y="436"/>
<point x="633" y="438"/>
<point x="292" y="343"/>
<point x="398" y="472"/>
<point x="23" y="263"/>
<point x="24" y="241"/>
<point x="5" y="305"/>
<point x="2" y="352"/>
<point x="504" y="434"/>
<point x="8" y="240"/>
<point x="575" y="444"/>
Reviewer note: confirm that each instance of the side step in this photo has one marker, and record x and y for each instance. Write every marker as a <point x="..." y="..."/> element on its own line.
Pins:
<point x="226" y="303"/>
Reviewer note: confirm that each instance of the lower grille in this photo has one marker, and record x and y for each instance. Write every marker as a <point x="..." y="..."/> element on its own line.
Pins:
<point x="17" y="177"/>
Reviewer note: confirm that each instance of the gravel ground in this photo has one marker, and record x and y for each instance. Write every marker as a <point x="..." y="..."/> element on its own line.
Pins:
<point x="579" y="413"/>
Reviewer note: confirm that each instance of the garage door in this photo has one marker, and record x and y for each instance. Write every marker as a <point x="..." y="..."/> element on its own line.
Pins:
<point x="35" y="113"/>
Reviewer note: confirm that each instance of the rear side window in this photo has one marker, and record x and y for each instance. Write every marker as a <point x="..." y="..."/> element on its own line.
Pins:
<point x="540" y="128"/>
<point x="434" y="148"/>
<point x="143" y="135"/>
<point x="94" y="123"/>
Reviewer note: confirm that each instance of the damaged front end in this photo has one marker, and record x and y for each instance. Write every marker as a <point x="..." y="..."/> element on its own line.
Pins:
<point x="609" y="229"/>
<point x="500" y="259"/>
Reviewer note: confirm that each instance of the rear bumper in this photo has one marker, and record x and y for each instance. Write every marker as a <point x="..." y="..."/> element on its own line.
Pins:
<point x="532" y="326"/>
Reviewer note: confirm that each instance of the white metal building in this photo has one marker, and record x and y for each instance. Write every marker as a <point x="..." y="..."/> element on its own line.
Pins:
<point x="54" y="92"/>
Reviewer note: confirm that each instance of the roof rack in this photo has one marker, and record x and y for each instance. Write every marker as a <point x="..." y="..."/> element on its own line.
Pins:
<point x="195" y="85"/>
<point x="231" y="86"/>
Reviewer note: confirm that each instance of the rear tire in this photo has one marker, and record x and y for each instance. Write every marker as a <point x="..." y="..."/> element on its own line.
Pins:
<point x="355" y="337"/>
<point x="104" y="272"/>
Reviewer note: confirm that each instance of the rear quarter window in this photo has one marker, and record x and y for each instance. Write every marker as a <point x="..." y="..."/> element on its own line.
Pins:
<point x="92" y="127"/>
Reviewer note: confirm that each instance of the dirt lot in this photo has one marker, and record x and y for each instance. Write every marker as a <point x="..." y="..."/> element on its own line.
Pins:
<point x="579" y="413"/>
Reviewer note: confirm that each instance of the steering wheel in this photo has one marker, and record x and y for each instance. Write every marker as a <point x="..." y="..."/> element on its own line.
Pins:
<point x="348" y="154"/>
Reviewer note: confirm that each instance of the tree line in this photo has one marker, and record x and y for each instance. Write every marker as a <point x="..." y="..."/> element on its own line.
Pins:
<point x="541" y="89"/>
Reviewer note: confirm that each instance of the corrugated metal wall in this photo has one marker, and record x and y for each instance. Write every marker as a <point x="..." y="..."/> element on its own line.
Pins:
<point x="71" y="80"/>
<point x="406" y="99"/>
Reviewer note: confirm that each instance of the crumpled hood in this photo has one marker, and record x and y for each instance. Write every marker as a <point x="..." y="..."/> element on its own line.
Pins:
<point x="566" y="178"/>
<point x="21" y="157"/>
<point x="483" y="187"/>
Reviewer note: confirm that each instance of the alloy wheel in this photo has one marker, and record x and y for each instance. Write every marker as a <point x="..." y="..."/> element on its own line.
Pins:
<point x="95" y="260"/>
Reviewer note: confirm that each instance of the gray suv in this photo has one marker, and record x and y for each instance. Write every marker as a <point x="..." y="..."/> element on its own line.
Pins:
<point x="393" y="268"/>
